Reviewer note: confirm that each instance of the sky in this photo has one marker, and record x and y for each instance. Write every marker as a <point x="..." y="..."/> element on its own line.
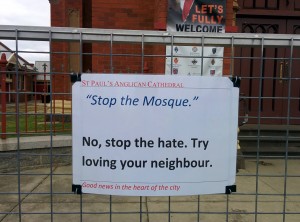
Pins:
<point x="26" y="13"/>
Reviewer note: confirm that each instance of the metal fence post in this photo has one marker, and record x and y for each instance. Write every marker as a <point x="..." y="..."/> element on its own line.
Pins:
<point x="3" y="63"/>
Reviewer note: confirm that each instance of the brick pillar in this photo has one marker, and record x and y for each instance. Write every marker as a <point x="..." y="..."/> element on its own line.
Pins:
<point x="236" y="8"/>
<point x="3" y="63"/>
<point x="65" y="57"/>
<point x="160" y="14"/>
<point x="227" y="62"/>
<point x="160" y="24"/>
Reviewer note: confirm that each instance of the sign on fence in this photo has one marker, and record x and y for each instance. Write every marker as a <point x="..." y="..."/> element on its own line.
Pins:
<point x="153" y="135"/>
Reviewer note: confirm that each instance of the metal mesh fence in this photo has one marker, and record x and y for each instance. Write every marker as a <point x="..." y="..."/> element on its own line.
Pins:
<point x="35" y="147"/>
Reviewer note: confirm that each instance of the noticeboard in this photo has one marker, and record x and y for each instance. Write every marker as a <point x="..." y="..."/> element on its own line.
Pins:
<point x="154" y="135"/>
<point x="201" y="16"/>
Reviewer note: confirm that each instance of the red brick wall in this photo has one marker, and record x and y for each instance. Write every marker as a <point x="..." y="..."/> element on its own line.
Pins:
<point x="129" y="14"/>
<point x="126" y="14"/>
<point x="60" y="17"/>
<point x="115" y="14"/>
<point x="60" y="10"/>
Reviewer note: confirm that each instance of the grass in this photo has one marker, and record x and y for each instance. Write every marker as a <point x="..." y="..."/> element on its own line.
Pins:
<point x="34" y="124"/>
<point x="33" y="121"/>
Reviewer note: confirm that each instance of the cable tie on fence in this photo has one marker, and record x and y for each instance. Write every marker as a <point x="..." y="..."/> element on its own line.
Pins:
<point x="236" y="81"/>
<point x="230" y="189"/>
<point x="76" y="189"/>
<point x="75" y="77"/>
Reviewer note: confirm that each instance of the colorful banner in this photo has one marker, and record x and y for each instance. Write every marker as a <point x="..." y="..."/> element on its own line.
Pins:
<point x="154" y="135"/>
<point x="195" y="16"/>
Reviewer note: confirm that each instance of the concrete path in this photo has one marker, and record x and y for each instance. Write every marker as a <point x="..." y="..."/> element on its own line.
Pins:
<point x="37" y="205"/>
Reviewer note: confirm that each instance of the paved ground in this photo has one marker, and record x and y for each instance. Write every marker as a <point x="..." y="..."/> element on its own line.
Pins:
<point x="37" y="203"/>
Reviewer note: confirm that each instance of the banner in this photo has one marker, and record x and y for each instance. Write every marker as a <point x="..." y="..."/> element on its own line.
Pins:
<point x="145" y="135"/>
<point x="195" y="16"/>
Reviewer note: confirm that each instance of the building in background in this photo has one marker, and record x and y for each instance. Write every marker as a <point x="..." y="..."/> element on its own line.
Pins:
<point x="42" y="80"/>
<point x="130" y="15"/>
<point x="21" y="69"/>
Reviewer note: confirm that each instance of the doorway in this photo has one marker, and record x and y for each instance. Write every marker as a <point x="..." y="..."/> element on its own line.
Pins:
<point x="270" y="76"/>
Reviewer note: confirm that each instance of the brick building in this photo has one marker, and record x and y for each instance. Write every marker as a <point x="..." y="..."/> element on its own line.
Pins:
<point x="128" y="14"/>
<point x="26" y="73"/>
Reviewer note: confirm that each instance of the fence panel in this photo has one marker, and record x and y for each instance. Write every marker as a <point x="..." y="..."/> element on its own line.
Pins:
<point x="35" y="145"/>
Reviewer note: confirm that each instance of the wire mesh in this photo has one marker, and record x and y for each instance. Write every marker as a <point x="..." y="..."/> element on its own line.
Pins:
<point x="35" y="151"/>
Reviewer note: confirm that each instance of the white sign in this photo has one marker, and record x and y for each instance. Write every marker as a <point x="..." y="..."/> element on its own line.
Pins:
<point x="202" y="16"/>
<point x="153" y="135"/>
<point x="193" y="61"/>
